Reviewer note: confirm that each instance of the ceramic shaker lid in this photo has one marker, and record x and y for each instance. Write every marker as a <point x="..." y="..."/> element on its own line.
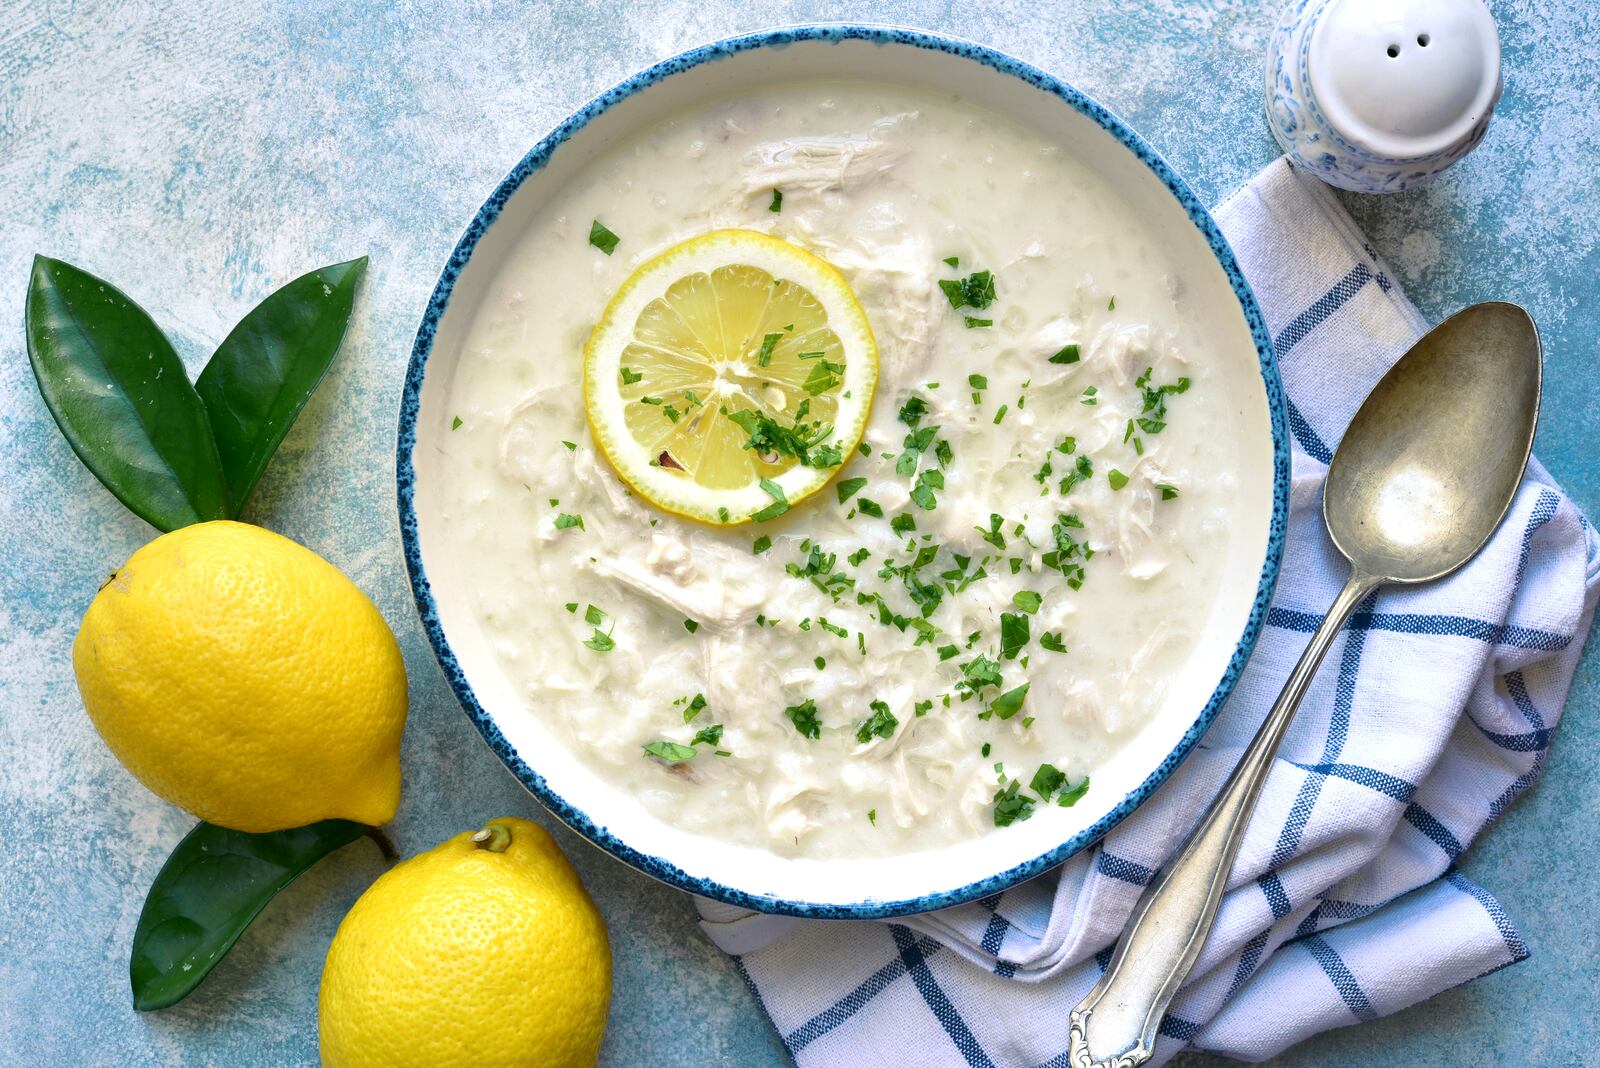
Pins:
<point x="1405" y="79"/>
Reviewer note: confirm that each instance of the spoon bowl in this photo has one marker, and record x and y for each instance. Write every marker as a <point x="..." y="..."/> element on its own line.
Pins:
<point x="1429" y="465"/>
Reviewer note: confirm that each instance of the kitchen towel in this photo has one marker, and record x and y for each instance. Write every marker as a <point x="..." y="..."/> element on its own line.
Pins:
<point x="1432" y="712"/>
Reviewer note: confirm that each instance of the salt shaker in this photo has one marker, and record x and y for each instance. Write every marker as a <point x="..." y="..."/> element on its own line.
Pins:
<point x="1378" y="96"/>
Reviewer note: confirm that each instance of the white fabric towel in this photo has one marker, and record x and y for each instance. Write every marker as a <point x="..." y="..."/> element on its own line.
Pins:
<point x="1432" y="712"/>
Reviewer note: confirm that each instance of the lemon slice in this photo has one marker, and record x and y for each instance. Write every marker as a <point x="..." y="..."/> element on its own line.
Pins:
<point x="730" y="376"/>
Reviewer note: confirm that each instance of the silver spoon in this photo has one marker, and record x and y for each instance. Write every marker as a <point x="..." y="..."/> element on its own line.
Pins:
<point x="1423" y="476"/>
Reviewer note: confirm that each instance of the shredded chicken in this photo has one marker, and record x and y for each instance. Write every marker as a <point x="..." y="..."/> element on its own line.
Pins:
<point x="890" y="268"/>
<point x="826" y="164"/>
<point x="702" y="585"/>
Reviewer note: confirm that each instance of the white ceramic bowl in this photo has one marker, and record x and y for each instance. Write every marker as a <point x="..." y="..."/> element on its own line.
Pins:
<point x="1215" y="300"/>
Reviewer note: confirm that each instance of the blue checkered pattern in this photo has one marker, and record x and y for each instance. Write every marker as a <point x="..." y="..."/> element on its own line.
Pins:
<point x="1434" y="710"/>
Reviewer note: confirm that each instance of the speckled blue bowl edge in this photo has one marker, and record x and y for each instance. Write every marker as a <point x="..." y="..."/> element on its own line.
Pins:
<point x="410" y="406"/>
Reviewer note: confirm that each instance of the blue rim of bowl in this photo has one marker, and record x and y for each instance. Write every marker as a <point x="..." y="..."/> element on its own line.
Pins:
<point x="410" y="405"/>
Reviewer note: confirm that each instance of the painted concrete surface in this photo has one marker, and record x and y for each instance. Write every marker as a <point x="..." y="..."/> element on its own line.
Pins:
<point x="199" y="155"/>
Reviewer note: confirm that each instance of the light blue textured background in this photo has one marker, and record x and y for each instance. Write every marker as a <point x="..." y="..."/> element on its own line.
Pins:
<point x="200" y="158"/>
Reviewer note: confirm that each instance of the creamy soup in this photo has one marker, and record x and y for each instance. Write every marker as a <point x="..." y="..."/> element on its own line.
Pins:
<point x="879" y="670"/>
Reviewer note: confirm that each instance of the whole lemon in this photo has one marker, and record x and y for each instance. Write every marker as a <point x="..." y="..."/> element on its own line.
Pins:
<point x="484" y="951"/>
<point x="241" y="676"/>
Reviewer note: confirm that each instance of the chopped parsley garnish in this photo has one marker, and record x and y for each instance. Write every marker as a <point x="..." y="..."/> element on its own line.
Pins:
<point x="630" y="376"/>
<point x="946" y="652"/>
<point x="777" y="201"/>
<point x="1071" y="797"/>
<point x="722" y="514"/>
<point x="993" y="535"/>
<point x="1027" y="600"/>
<point x="974" y="291"/>
<point x="1089" y="396"/>
<point x="870" y="507"/>
<point x="953" y="261"/>
<point x="768" y="343"/>
<point x="823" y="377"/>
<point x="922" y="708"/>
<point x="916" y="443"/>
<point x="761" y="544"/>
<point x="849" y="487"/>
<point x="572" y="606"/>
<point x="977" y="381"/>
<point x="1013" y="634"/>
<point x="804" y="718"/>
<point x="601" y="642"/>
<point x="1009" y="703"/>
<point x="904" y="523"/>
<point x="669" y="752"/>
<point x="1168" y="490"/>
<point x="696" y="704"/>
<point x="455" y="424"/>
<point x="593" y="616"/>
<point x="859" y="555"/>
<point x="1010" y="806"/>
<point x="912" y="411"/>
<point x="779" y="505"/>
<point x="1052" y="642"/>
<point x="832" y="628"/>
<point x="974" y="323"/>
<point x="804" y="441"/>
<point x="565" y="521"/>
<point x="690" y="625"/>
<point x="872" y="816"/>
<point x="1082" y="471"/>
<point x="1069" y="553"/>
<point x="572" y="446"/>
<point x="1068" y="354"/>
<point x="880" y="724"/>
<point x="1046" y="781"/>
<point x="999" y="415"/>
<point x="1116" y="478"/>
<point x="711" y="735"/>
<point x="922" y="493"/>
<point x="601" y="238"/>
<point x="1152" y="420"/>
<point x="821" y="662"/>
<point x="978" y="673"/>
<point x="819" y="569"/>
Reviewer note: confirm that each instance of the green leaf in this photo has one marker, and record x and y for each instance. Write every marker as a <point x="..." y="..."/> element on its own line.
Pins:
<point x="602" y="238"/>
<point x="207" y="893"/>
<point x="269" y="365"/>
<point x="670" y="752"/>
<point x="120" y="395"/>
<point x="1009" y="703"/>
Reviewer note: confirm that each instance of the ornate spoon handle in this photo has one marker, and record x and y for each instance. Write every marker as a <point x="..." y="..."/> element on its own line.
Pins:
<point x="1115" y="1025"/>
